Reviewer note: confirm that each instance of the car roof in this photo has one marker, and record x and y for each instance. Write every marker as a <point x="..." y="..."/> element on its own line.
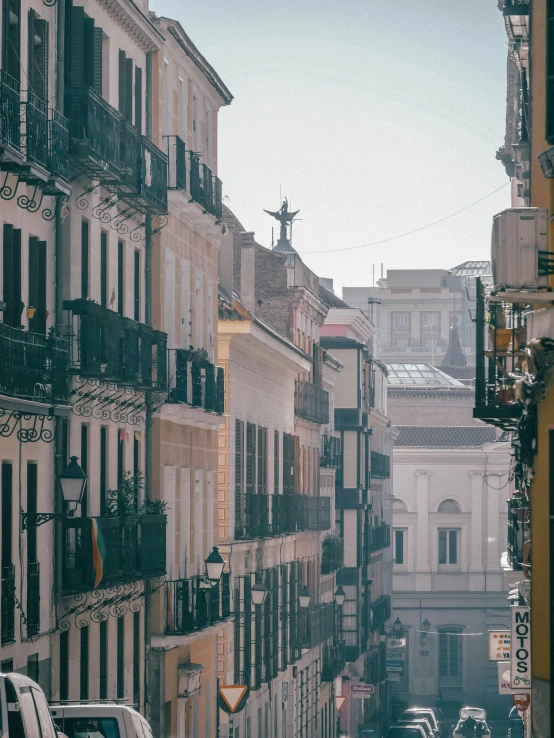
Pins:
<point x="101" y="708"/>
<point x="420" y="709"/>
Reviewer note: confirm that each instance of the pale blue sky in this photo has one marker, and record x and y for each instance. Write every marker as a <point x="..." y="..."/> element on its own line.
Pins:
<point x="373" y="116"/>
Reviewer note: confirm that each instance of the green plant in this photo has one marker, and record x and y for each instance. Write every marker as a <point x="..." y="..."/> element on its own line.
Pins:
<point x="332" y="554"/>
<point x="154" y="507"/>
<point x="124" y="500"/>
<point x="200" y="357"/>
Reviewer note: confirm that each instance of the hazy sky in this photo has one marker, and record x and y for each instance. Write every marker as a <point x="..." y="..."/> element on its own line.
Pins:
<point x="373" y="116"/>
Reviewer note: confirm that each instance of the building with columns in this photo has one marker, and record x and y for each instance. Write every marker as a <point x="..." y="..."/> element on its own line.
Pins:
<point x="449" y="531"/>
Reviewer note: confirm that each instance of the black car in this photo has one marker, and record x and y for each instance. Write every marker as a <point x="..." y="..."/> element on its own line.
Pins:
<point x="406" y="731"/>
<point x="416" y="713"/>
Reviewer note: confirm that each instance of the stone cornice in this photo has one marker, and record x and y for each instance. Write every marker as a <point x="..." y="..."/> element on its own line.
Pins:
<point x="132" y="19"/>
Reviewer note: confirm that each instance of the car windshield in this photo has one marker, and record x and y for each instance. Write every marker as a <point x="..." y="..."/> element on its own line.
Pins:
<point x="89" y="727"/>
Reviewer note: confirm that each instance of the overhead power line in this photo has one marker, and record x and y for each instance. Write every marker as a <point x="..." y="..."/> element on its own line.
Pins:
<point x="415" y="230"/>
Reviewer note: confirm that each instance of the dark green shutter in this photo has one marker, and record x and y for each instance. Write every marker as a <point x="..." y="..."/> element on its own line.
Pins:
<point x="121" y="82"/>
<point x="104" y="269"/>
<point x="88" y="34"/>
<point x="33" y="280"/>
<point x="138" y="99"/>
<point x="77" y="45"/>
<point x="84" y="258"/>
<point x="128" y="113"/>
<point x="11" y="38"/>
<point x="97" y="61"/>
<point x="12" y="275"/>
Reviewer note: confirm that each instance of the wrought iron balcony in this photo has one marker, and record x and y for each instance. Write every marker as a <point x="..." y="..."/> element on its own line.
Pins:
<point x="33" y="366"/>
<point x="10" y="116"/>
<point x="36" y="130"/>
<point x="152" y="179"/>
<point x="516" y="7"/>
<point x="58" y="145"/>
<point x="320" y="625"/>
<point x="129" y="152"/>
<point x="205" y="189"/>
<point x="7" y="605"/>
<point x="134" y="549"/>
<point x="195" y="383"/>
<point x="333" y="661"/>
<point x="191" y="606"/>
<point x="380" y="465"/>
<point x="33" y="598"/>
<point x="380" y="612"/>
<point x="265" y="516"/>
<point x="106" y="346"/>
<point x="94" y="134"/>
<point x="331" y="452"/>
<point x="519" y="531"/>
<point x="317" y="511"/>
<point x="311" y="402"/>
<point x="380" y="537"/>
<point x="332" y="554"/>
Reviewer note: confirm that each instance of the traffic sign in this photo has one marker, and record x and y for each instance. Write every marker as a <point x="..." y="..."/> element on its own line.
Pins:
<point x="233" y="697"/>
<point x="339" y="702"/>
<point x="361" y="690"/>
<point x="522" y="701"/>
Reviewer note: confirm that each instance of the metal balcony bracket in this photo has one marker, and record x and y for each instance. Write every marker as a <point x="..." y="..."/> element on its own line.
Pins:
<point x="98" y="605"/>
<point x="101" y="211"/>
<point x="119" y="222"/>
<point x="31" y="204"/>
<point x="161" y="221"/>
<point x="103" y="400"/>
<point x="136" y="233"/>
<point x="546" y="263"/>
<point x="29" y="520"/>
<point x="49" y="3"/>
<point x="9" y="191"/>
<point x="27" y="427"/>
<point x="59" y="202"/>
<point x="82" y="200"/>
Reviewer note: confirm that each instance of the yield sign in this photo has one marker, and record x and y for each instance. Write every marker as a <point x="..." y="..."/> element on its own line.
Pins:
<point x="232" y="695"/>
<point x="339" y="702"/>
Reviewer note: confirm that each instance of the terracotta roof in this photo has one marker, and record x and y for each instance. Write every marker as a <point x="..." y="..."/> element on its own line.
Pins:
<point x="471" y="436"/>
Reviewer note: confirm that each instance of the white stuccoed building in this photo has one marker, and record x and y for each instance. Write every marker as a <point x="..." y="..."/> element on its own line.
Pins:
<point x="449" y="531"/>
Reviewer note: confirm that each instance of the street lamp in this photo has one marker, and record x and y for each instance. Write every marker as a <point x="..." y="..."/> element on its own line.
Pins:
<point x="304" y="597"/>
<point x="73" y="481"/>
<point x="258" y="592"/>
<point x="426" y="627"/>
<point x="340" y="596"/>
<point x="215" y="564"/>
<point x="382" y="635"/>
<point x="398" y="627"/>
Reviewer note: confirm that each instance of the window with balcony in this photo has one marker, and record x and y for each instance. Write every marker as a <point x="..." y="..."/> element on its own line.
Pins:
<point x="400" y="340"/>
<point x="400" y="320"/>
<point x="450" y="658"/>
<point x="449" y="544"/>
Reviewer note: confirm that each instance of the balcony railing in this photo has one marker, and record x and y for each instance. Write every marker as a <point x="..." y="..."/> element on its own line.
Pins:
<point x="134" y="549"/>
<point x="36" y="130"/>
<point x="497" y="366"/>
<point x="380" y="612"/>
<point x="519" y="531"/>
<point x="265" y="516"/>
<point x="7" y="608"/>
<point x="311" y="402"/>
<point x="33" y="598"/>
<point x="10" y="112"/>
<point x="191" y="606"/>
<point x="330" y="452"/>
<point x="104" y="345"/>
<point x="333" y="661"/>
<point x="380" y="465"/>
<point x="198" y="384"/>
<point x="516" y="7"/>
<point x="380" y="537"/>
<point x="152" y="180"/>
<point x="94" y="134"/>
<point x="58" y="145"/>
<point x="33" y="366"/>
<point x="320" y="625"/>
<point x="205" y="189"/>
<point x="129" y="152"/>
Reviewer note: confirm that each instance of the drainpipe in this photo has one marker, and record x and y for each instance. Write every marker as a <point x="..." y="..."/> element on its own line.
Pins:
<point x="58" y="306"/>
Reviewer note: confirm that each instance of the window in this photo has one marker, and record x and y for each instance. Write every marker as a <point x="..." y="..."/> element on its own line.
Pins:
<point x="401" y="320"/>
<point x="449" y="506"/>
<point x="83" y="664"/>
<point x="104" y="269"/>
<point x="125" y="86"/>
<point x="37" y="285"/>
<point x="276" y="462"/>
<point x="399" y="547"/>
<point x="120" y="456"/>
<point x="250" y="458"/>
<point x="64" y="665"/>
<point x="11" y="269"/>
<point x="136" y="658"/>
<point x="262" y="461"/>
<point x="448" y="547"/>
<point x="239" y="473"/>
<point x="430" y="320"/>
<point x="32" y="667"/>
<point x="103" y="660"/>
<point x="120" y="676"/>
<point x="120" y="277"/>
<point x="85" y="728"/>
<point x="37" y="50"/>
<point x="289" y="459"/>
<point x="11" y="38"/>
<point x="136" y="286"/>
<point x="138" y="99"/>
<point x="84" y="258"/>
<point x="7" y="514"/>
<point x="103" y="468"/>
<point x="429" y="340"/>
<point x="450" y="658"/>
<point x="84" y="466"/>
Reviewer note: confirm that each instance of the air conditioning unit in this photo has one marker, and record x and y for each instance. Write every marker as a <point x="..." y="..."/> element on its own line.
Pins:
<point x="518" y="234"/>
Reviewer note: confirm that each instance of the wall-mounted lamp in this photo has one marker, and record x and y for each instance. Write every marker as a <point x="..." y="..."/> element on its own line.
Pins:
<point x="72" y="481"/>
<point x="425" y="628"/>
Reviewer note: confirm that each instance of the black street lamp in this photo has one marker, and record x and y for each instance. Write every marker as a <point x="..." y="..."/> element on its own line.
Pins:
<point x="215" y="564"/>
<point x="258" y="593"/>
<point x="73" y="481"/>
<point x="304" y="597"/>
<point x="340" y="596"/>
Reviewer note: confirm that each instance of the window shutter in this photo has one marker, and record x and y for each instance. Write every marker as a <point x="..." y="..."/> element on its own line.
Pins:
<point x="11" y="37"/>
<point x="97" y="60"/>
<point x="77" y="46"/>
<point x="31" y="61"/>
<point x="250" y="458"/>
<point x="32" y="301"/>
<point x="88" y="33"/>
<point x="8" y="287"/>
<point x="121" y="82"/>
<point x="138" y="99"/>
<point x="128" y="112"/>
<point x="40" y="315"/>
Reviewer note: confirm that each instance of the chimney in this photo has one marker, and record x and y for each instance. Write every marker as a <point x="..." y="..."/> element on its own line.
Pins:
<point x="247" y="270"/>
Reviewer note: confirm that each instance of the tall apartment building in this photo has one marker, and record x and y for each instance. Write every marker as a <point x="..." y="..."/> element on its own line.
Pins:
<point x="363" y="497"/>
<point x="414" y="309"/>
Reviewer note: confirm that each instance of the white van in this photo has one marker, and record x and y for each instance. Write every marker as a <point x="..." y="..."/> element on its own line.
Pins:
<point x="99" y="719"/>
<point x="24" y="710"/>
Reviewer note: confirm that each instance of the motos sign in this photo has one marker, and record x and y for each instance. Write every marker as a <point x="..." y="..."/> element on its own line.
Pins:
<point x="520" y="637"/>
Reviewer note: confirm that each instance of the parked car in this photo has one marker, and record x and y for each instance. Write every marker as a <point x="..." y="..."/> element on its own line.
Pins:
<point x="472" y="723"/>
<point x="24" y="710"/>
<point x="425" y="724"/>
<point x="103" y="719"/>
<point x="429" y="713"/>
<point x="406" y="731"/>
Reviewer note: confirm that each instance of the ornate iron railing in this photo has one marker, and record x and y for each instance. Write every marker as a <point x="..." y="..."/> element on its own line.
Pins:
<point x="380" y="465"/>
<point x="311" y="402"/>
<point x="191" y="605"/>
<point x="152" y="181"/>
<point x="106" y="346"/>
<point x="10" y="112"/>
<point x="7" y="606"/>
<point x="58" y="145"/>
<point x="129" y="151"/>
<point x="218" y="198"/>
<point x="198" y="384"/>
<point x="94" y="134"/>
<point x="519" y="531"/>
<point x="265" y="516"/>
<point x="33" y="598"/>
<point x="36" y="130"/>
<point x="33" y="366"/>
<point x="380" y="537"/>
<point x="134" y="548"/>
<point x="330" y="452"/>
<point x="380" y="611"/>
<point x="320" y="625"/>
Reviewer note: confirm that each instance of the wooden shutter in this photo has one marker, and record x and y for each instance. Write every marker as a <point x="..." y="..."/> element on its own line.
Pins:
<point x="120" y="277"/>
<point x="121" y="82"/>
<point x="37" y="284"/>
<point x="296" y="464"/>
<point x="276" y="462"/>
<point x="97" y="60"/>
<point x="104" y="269"/>
<point x="138" y="99"/>
<point x="12" y="275"/>
<point x="84" y="258"/>
<point x="262" y="461"/>
<point x="250" y="458"/>
<point x="137" y="286"/>
<point x="77" y="46"/>
<point x="239" y="476"/>
<point x="128" y="112"/>
<point x="11" y="37"/>
<point x="37" y="55"/>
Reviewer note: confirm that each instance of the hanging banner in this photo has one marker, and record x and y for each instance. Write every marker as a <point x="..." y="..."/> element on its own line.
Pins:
<point x="520" y="645"/>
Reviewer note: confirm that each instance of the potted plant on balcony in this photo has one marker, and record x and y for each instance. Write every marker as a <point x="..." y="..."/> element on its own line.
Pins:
<point x="123" y="502"/>
<point x="332" y="554"/>
<point x="199" y="357"/>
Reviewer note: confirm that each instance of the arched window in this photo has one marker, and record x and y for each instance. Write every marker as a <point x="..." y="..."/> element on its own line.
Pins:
<point x="449" y="506"/>
<point x="398" y="506"/>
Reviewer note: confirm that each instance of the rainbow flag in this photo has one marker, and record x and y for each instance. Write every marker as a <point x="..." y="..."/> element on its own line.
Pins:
<point x="98" y="552"/>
